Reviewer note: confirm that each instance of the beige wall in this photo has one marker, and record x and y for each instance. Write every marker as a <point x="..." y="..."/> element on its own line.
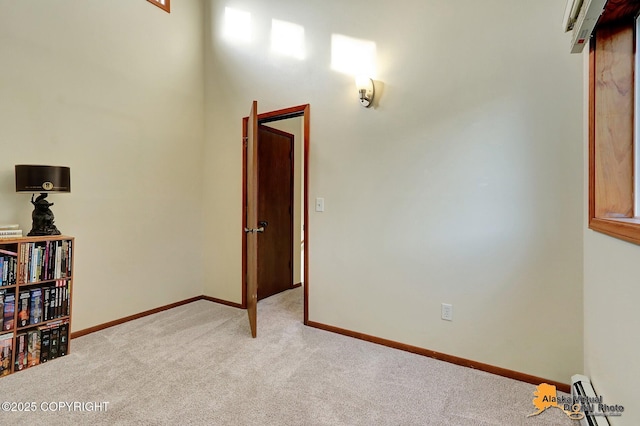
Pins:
<point x="611" y="321"/>
<point x="113" y="89"/>
<point x="464" y="184"/>
<point x="611" y="317"/>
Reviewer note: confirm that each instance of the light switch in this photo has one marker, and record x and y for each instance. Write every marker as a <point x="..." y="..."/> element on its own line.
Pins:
<point x="319" y="204"/>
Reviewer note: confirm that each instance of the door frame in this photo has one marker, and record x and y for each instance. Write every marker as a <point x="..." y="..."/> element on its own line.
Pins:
<point x="303" y="111"/>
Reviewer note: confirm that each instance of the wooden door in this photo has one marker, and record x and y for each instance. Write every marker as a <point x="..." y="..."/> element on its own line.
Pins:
<point x="275" y="211"/>
<point x="252" y="218"/>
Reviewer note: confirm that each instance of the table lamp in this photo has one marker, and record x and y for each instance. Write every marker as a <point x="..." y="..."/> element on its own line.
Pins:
<point x="42" y="179"/>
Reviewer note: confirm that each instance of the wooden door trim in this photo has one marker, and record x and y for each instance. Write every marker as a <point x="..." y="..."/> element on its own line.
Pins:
<point x="295" y="111"/>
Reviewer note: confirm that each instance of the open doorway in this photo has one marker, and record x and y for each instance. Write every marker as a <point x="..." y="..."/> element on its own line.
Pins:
<point x="292" y="121"/>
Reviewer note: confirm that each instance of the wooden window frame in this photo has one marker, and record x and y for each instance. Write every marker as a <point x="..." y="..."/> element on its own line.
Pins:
<point x="166" y="7"/>
<point x="611" y="128"/>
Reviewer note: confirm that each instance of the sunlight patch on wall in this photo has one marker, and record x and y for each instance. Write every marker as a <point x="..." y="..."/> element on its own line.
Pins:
<point x="287" y="38"/>
<point x="237" y="25"/>
<point x="353" y="56"/>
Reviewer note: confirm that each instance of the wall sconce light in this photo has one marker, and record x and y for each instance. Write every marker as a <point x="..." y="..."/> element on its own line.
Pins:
<point x="42" y="179"/>
<point x="366" y="90"/>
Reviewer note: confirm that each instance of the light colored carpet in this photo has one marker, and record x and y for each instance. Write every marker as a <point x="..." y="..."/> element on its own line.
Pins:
<point x="197" y="365"/>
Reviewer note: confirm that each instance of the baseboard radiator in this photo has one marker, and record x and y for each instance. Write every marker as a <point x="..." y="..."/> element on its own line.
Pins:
<point x="583" y="393"/>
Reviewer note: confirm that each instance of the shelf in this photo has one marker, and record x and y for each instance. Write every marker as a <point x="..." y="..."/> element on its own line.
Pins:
<point x="40" y="324"/>
<point x="23" y="347"/>
<point x="43" y="282"/>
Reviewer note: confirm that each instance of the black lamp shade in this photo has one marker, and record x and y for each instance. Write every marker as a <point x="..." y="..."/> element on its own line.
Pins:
<point x="30" y="178"/>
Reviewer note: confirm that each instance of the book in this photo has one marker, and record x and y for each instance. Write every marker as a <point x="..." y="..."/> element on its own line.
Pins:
<point x="62" y="301"/>
<point x="64" y="339"/>
<point x="41" y="262"/>
<point x="28" y="248"/>
<point x="45" y="261"/>
<point x="22" y="260"/>
<point x="8" y="270"/>
<point x="21" y="352"/>
<point x="45" y="343"/>
<point x="33" y="350"/>
<point x="10" y="233"/>
<point x="63" y="259"/>
<point x="31" y="259"/>
<point x="46" y="304"/>
<point x="54" y="346"/>
<point x="13" y="271"/>
<point x="6" y="353"/>
<point x="36" y="263"/>
<point x="57" y="312"/>
<point x="67" y="301"/>
<point x="8" y="252"/>
<point x="24" y="299"/>
<point x="5" y="271"/>
<point x="9" y="227"/>
<point x="62" y="310"/>
<point x="69" y="259"/>
<point x="35" y="306"/>
<point x="52" y="302"/>
<point x="2" y="292"/>
<point x="9" y="310"/>
<point x="58" y="261"/>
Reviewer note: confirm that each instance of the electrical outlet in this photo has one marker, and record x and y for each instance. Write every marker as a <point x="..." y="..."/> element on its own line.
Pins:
<point x="447" y="312"/>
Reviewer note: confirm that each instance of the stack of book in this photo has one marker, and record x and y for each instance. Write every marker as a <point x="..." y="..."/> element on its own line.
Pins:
<point x="39" y="304"/>
<point x="45" y="260"/>
<point x="10" y="231"/>
<point x="40" y="345"/>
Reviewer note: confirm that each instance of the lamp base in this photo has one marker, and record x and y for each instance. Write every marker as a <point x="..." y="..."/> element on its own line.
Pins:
<point x="43" y="232"/>
<point x="42" y="217"/>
